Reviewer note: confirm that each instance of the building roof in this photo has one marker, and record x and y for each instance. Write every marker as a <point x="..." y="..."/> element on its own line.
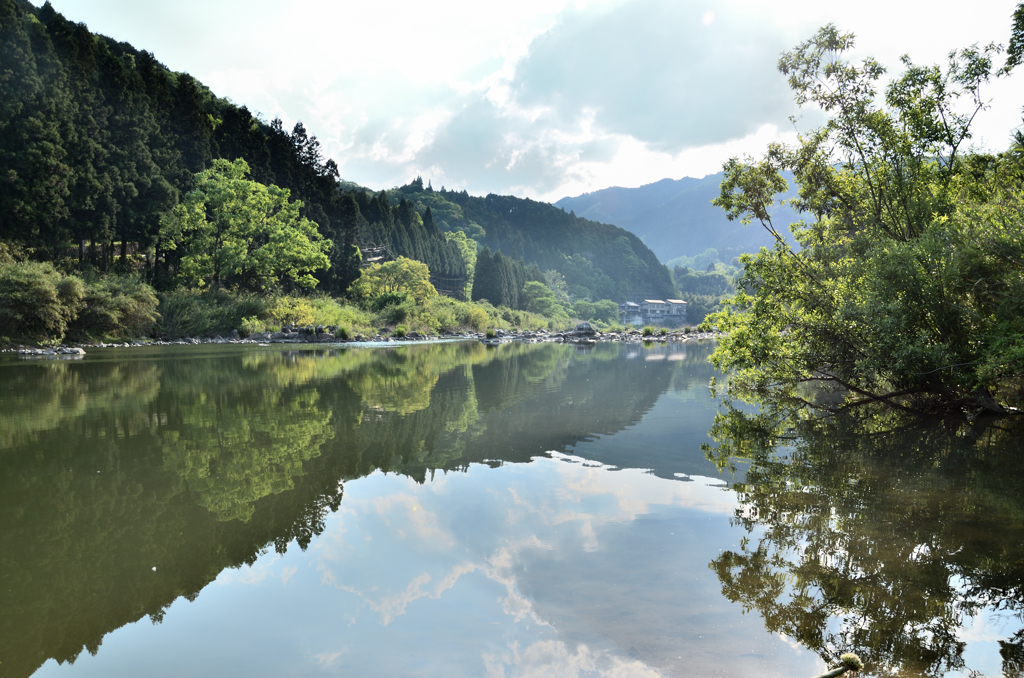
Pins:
<point x="676" y="301"/>
<point x="653" y="301"/>
<point x="631" y="303"/>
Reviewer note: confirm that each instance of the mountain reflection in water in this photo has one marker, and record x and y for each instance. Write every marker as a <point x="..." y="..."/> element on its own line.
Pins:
<point x="453" y="509"/>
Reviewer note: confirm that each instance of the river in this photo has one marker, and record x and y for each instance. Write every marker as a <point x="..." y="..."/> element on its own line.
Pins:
<point x="453" y="509"/>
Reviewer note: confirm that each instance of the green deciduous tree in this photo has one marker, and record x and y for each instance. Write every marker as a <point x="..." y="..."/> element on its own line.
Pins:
<point x="605" y="310"/>
<point x="537" y="297"/>
<point x="401" y="276"/>
<point x="905" y="283"/>
<point x="236" y="230"/>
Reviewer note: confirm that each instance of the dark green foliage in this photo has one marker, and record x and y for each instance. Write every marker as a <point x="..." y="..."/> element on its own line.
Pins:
<point x="606" y="260"/>
<point x="606" y="311"/>
<point x="706" y="283"/>
<point x="188" y="313"/>
<point x="702" y="291"/>
<point x="37" y="302"/>
<point x="537" y="297"/>
<point x="581" y="272"/>
<point x="498" y="279"/>
<point x="388" y="299"/>
<point x="404" y="232"/>
<point x="116" y="307"/>
<point x="1015" y="52"/>
<point x="98" y="140"/>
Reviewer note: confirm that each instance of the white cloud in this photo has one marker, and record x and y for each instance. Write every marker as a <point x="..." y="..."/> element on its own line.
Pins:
<point x="537" y="98"/>
<point x="555" y="659"/>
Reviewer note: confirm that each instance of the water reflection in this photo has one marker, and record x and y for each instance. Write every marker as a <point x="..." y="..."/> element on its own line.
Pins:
<point x="345" y="503"/>
<point x="128" y="481"/>
<point x="902" y="542"/>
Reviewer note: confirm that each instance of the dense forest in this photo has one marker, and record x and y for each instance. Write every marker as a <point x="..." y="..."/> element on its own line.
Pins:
<point x="600" y="260"/>
<point x="101" y="146"/>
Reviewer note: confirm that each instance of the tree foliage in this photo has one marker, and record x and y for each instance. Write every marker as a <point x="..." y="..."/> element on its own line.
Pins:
<point x="402" y="276"/>
<point x="538" y="298"/>
<point x="906" y="288"/>
<point x="606" y="260"/>
<point x="99" y="141"/>
<point x="237" y="230"/>
<point x="499" y="279"/>
<point x="874" y="533"/>
<point x="37" y="302"/>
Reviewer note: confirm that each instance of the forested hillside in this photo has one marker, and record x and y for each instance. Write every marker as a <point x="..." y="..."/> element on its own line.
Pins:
<point x="100" y="142"/>
<point x="599" y="260"/>
<point x="675" y="217"/>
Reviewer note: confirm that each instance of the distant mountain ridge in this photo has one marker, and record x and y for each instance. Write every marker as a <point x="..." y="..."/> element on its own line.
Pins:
<point x="675" y="217"/>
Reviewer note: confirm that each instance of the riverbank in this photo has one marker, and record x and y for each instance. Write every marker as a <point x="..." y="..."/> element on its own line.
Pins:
<point x="303" y="336"/>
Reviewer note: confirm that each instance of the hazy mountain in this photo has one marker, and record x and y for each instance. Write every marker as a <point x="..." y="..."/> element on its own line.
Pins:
<point x="675" y="217"/>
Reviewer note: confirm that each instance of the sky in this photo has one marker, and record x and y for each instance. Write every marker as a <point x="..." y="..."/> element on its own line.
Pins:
<point x="541" y="99"/>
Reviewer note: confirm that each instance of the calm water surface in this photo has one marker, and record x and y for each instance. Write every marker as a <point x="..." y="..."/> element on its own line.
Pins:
<point x="454" y="510"/>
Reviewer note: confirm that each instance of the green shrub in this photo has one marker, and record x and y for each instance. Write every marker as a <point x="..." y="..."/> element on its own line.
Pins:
<point x="37" y="302"/>
<point x="342" y="333"/>
<point x="292" y="310"/>
<point x="116" y="307"/>
<point x="190" y="313"/>
<point x="400" y="331"/>
<point x="251" y="325"/>
<point x="476" y="318"/>
<point x="442" y="313"/>
<point x="388" y="299"/>
<point x="664" y="331"/>
<point x="648" y="331"/>
<point x="491" y="334"/>
<point x="328" y="311"/>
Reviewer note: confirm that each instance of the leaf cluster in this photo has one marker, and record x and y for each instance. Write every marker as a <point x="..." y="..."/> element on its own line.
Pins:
<point x="905" y="288"/>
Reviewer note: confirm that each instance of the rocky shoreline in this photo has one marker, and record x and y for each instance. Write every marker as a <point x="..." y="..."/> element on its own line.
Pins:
<point x="325" y="335"/>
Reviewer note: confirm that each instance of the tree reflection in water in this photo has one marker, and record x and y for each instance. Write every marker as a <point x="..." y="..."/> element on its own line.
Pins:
<point x="878" y="536"/>
<point x="128" y="482"/>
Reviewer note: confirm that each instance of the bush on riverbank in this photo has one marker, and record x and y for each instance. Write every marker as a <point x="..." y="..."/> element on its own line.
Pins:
<point x="42" y="305"/>
<point x="116" y="307"/>
<point x="189" y="313"/>
<point x="37" y="302"/>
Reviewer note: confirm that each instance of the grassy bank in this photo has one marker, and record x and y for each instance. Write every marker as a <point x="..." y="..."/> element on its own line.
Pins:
<point x="42" y="305"/>
<point x="194" y="313"/>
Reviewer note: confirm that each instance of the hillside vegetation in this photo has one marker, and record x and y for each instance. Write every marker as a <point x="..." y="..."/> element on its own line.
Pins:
<point x="105" y="159"/>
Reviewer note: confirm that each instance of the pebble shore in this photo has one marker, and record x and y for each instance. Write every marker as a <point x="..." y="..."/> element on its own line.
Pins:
<point x="326" y="336"/>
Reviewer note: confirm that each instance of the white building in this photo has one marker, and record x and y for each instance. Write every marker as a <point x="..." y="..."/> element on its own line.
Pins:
<point x="677" y="308"/>
<point x="654" y="307"/>
<point x="653" y="312"/>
